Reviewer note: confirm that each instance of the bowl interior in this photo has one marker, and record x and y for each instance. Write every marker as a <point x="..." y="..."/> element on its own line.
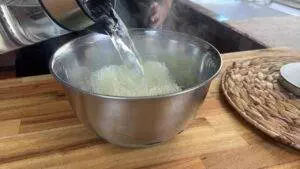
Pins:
<point x="191" y="61"/>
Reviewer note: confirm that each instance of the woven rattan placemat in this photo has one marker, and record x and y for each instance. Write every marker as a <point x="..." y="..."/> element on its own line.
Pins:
<point x="252" y="87"/>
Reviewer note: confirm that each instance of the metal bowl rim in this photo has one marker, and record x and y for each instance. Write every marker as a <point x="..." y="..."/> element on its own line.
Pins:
<point x="66" y="84"/>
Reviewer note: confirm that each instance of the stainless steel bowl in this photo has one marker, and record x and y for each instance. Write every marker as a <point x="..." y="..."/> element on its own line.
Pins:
<point x="138" y="121"/>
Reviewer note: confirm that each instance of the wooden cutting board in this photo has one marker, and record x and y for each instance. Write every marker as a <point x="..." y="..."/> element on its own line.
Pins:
<point x="39" y="130"/>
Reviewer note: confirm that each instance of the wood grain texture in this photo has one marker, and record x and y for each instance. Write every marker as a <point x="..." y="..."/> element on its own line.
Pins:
<point x="39" y="130"/>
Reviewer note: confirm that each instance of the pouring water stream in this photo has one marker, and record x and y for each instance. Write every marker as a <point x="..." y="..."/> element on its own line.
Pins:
<point x="124" y="45"/>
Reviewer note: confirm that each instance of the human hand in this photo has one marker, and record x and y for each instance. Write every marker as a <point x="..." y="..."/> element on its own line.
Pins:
<point x="159" y="13"/>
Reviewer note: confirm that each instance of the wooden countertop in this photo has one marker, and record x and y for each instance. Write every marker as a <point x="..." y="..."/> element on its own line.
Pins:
<point x="39" y="130"/>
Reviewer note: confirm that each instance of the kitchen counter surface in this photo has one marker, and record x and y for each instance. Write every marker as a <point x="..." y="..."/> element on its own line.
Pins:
<point x="261" y="23"/>
<point x="232" y="10"/>
<point x="271" y="31"/>
<point x="39" y="130"/>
